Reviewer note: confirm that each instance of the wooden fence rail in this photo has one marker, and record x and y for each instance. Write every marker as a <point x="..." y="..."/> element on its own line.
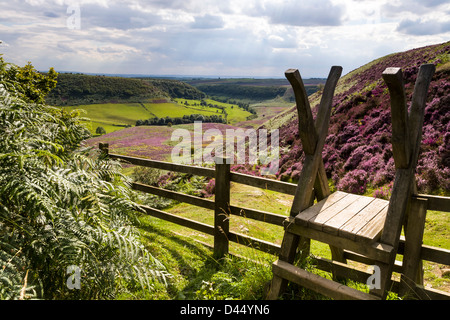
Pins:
<point x="222" y="209"/>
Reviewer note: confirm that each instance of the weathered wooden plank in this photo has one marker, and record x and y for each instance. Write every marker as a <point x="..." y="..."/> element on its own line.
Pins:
<point x="202" y="227"/>
<point x="377" y="251"/>
<point x="287" y="253"/>
<point x="317" y="222"/>
<point x="414" y="235"/>
<point x="324" y="112"/>
<point x="306" y="129"/>
<point x="351" y="228"/>
<point x="393" y="77"/>
<point x="200" y="202"/>
<point x="428" y="253"/>
<point x="329" y="288"/>
<point x="321" y="124"/>
<point x="437" y="203"/>
<point x="303" y="217"/>
<point x="221" y="210"/>
<point x="336" y="222"/>
<point x="361" y="276"/>
<point x="342" y="270"/>
<point x="263" y="183"/>
<point x="313" y="160"/>
<point x="268" y="217"/>
<point x="370" y="262"/>
<point x="305" y="187"/>
<point x="416" y="114"/>
<point x="200" y="171"/>
<point x="431" y="294"/>
<point x="404" y="178"/>
<point x="438" y="255"/>
<point x="321" y="187"/>
<point x="401" y="194"/>
<point x="372" y="230"/>
<point x="258" y="244"/>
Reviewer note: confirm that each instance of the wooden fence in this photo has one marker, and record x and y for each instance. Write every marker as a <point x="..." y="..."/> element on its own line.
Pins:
<point x="222" y="210"/>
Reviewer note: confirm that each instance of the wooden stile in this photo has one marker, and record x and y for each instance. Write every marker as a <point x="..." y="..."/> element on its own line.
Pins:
<point x="356" y="226"/>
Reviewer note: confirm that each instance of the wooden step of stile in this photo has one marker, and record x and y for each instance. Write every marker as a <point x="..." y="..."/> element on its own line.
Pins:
<point x="377" y="251"/>
<point x="317" y="283"/>
<point x="356" y="217"/>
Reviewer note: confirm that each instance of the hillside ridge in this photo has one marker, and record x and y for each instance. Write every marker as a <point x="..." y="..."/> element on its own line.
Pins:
<point x="81" y="89"/>
<point x="358" y="153"/>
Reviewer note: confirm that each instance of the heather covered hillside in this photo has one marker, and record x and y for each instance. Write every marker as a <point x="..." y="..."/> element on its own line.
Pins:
<point x="358" y="153"/>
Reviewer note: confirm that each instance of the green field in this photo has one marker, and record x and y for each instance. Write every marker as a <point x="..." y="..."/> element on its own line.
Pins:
<point x="116" y="116"/>
<point x="178" y="109"/>
<point x="112" y="116"/>
<point x="235" y="114"/>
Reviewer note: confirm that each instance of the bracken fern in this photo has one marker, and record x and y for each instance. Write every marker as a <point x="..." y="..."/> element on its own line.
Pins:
<point x="63" y="205"/>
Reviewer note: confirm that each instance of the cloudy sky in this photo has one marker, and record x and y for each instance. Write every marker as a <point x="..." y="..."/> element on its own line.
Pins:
<point x="216" y="37"/>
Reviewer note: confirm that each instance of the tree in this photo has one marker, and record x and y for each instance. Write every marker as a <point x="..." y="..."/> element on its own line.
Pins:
<point x="100" y="130"/>
<point x="26" y="82"/>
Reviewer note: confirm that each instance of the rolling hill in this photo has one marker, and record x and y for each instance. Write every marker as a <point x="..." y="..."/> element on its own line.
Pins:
<point x="116" y="116"/>
<point x="251" y="90"/>
<point x="358" y="154"/>
<point x="80" y="89"/>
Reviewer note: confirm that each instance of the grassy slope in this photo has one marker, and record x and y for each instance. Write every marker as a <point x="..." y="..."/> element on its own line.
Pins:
<point x="112" y="116"/>
<point x="115" y="116"/>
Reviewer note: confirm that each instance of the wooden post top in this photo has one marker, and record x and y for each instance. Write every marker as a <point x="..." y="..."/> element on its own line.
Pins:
<point x="311" y="132"/>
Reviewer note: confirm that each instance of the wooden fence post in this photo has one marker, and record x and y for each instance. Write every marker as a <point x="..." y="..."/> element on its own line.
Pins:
<point x="412" y="264"/>
<point x="221" y="207"/>
<point x="104" y="148"/>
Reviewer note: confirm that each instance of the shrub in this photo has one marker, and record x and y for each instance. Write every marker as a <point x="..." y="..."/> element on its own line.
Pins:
<point x="354" y="182"/>
<point x="210" y="188"/>
<point x="63" y="205"/>
<point x="383" y="192"/>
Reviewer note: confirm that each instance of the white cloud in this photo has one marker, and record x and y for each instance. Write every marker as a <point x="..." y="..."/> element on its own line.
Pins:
<point x="299" y="13"/>
<point x="208" y="21"/>
<point x="423" y="27"/>
<point x="253" y="37"/>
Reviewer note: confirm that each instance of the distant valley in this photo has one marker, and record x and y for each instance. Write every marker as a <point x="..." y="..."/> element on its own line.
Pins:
<point x="111" y="103"/>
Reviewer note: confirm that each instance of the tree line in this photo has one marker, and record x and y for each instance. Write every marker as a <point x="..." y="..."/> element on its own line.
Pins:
<point x="180" y="120"/>
<point x="79" y="89"/>
<point x="242" y="91"/>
